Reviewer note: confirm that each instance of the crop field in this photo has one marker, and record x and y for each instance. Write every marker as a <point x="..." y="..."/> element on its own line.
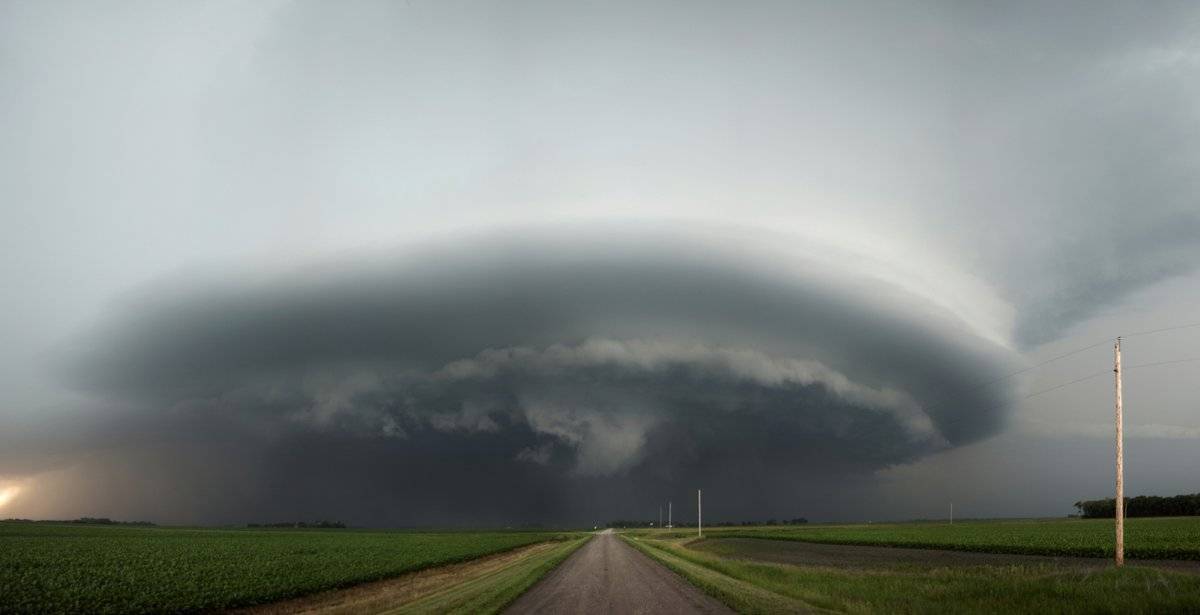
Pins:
<point x="61" y="568"/>
<point x="1145" y="538"/>
<point x="755" y="586"/>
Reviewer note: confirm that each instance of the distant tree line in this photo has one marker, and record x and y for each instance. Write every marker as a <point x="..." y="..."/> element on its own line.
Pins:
<point x="796" y="521"/>
<point x="623" y="523"/>
<point x="1142" y="506"/>
<point x="302" y="524"/>
<point x="83" y="521"/>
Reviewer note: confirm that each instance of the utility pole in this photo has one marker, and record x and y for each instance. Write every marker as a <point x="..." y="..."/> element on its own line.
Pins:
<point x="699" y="516"/>
<point x="951" y="513"/>
<point x="669" y="515"/>
<point x="1120" y="500"/>
<point x="660" y="515"/>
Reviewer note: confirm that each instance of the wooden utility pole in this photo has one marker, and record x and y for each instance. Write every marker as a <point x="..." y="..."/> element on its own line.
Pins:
<point x="669" y="515"/>
<point x="699" y="516"/>
<point x="1120" y="500"/>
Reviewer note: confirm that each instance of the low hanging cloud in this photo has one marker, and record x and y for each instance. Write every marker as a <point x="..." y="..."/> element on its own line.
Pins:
<point x="599" y="400"/>
<point x="575" y="381"/>
<point x="603" y="396"/>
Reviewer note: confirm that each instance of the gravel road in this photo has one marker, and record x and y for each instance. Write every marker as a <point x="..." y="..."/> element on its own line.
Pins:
<point x="608" y="576"/>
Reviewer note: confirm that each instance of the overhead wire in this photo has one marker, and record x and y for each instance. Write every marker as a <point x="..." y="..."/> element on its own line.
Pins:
<point x="1065" y="384"/>
<point x="1157" y="363"/>
<point x="1171" y="328"/>
<point x="1089" y="347"/>
<point x="1075" y="352"/>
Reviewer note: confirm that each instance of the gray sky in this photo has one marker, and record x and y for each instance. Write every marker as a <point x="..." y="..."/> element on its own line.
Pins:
<point x="380" y="260"/>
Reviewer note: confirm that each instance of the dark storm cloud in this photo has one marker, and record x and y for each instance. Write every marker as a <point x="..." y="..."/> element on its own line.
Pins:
<point x="1024" y="168"/>
<point x="400" y="390"/>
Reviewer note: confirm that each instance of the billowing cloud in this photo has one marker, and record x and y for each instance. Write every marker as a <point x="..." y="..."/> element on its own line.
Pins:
<point x="621" y="365"/>
<point x="848" y="216"/>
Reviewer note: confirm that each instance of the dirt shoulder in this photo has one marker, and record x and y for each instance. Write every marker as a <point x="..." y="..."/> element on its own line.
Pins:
<point x="388" y="594"/>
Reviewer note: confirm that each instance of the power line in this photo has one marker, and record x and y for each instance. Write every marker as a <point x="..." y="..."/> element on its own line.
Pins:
<point x="1104" y="373"/>
<point x="1171" y="362"/>
<point x="1088" y="347"/>
<point x="1095" y="375"/>
<point x="1065" y="384"/>
<point x="1172" y="328"/>
<point x="1071" y="354"/>
<point x="1047" y="362"/>
<point x="948" y="399"/>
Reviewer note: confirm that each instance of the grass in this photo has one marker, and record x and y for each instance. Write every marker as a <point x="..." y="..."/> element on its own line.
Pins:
<point x="60" y="568"/>
<point x="743" y="595"/>
<point x="1145" y="538"/>
<point x="492" y="592"/>
<point x="761" y="587"/>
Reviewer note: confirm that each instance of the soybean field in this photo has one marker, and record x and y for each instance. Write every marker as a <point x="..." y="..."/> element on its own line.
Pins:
<point x="67" y="568"/>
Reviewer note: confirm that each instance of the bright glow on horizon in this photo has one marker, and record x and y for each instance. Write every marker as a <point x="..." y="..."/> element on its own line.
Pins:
<point x="8" y="494"/>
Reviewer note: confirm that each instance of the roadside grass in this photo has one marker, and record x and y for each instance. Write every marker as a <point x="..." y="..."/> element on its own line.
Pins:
<point x="492" y="592"/>
<point x="102" y="569"/>
<point x="756" y="587"/>
<point x="739" y="594"/>
<point x="1145" y="538"/>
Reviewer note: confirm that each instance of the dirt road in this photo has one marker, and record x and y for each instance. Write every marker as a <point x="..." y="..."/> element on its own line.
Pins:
<point x="609" y="576"/>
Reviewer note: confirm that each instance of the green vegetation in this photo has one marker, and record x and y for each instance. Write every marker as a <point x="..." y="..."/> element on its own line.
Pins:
<point x="496" y="590"/>
<point x="85" y="521"/>
<point x="320" y="525"/>
<point x="73" y="568"/>
<point x="1143" y="506"/>
<point x="1145" y="538"/>
<point x="707" y="573"/>
<point x="762" y="587"/>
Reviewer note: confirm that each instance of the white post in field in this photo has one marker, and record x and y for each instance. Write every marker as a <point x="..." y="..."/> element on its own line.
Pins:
<point x="1119" y="511"/>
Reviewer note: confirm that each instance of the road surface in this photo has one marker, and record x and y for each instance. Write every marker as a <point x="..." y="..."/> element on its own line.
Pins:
<point x="608" y="576"/>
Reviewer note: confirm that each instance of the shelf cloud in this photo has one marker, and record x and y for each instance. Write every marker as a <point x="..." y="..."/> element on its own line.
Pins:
<point x="444" y="262"/>
<point x="524" y="363"/>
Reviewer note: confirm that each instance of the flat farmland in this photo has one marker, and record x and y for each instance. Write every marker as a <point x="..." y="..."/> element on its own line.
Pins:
<point x="773" y="576"/>
<point x="1145" y="538"/>
<point x="72" y="568"/>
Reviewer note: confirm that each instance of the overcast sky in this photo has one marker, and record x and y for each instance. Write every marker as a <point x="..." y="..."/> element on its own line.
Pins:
<point x="487" y="263"/>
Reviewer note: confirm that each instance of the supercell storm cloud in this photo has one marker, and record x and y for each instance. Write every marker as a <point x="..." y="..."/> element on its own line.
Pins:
<point x="474" y="263"/>
<point x="533" y="366"/>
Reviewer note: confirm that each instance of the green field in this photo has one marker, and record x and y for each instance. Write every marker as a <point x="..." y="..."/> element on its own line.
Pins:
<point x="1145" y="538"/>
<point x="751" y="586"/>
<point x="70" y="568"/>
